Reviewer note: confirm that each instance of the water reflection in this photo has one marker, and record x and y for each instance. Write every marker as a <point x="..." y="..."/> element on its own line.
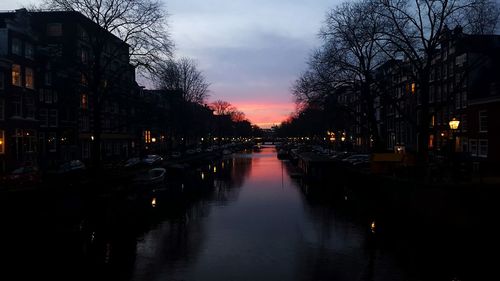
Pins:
<point x="247" y="221"/>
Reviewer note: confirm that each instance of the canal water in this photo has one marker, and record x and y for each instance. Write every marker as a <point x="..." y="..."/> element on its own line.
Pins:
<point x="240" y="218"/>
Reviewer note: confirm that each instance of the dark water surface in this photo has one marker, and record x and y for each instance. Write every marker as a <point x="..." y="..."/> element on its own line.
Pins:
<point x="242" y="218"/>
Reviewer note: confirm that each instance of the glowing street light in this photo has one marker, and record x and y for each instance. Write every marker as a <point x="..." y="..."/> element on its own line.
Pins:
<point x="454" y="123"/>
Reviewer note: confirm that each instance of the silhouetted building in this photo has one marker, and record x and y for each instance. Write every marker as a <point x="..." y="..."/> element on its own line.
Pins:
<point x="49" y="109"/>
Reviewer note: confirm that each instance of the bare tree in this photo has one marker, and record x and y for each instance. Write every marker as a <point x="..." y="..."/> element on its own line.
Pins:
<point x="183" y="75"/>
<point x="221" y="107"/>
<point x="351" y="45"/>
<point x="482" y="17"/>
<point x="414" y="35"/>
<point x="238" y="116"/>
<point x="140" y="23"/>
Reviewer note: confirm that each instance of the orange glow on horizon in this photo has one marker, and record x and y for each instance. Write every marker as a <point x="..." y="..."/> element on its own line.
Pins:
<point x="265" y="115"/>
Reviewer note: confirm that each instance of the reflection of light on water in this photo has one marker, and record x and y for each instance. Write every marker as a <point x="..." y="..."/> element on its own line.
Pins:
<point x="345" y="198"/>
<point x="202" y="175"/>
<point x="210" y="167"/>
<point x="372" y="227"/>
<point x="222" y="165"/>
<point x="215" y="169"/>
<point x="92" y="236"/>
<point x="153" y="202"/>
<point x="182" y="186"/>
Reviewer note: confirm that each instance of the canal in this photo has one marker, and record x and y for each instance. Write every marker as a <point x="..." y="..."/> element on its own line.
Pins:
<point x="239" y="218"/>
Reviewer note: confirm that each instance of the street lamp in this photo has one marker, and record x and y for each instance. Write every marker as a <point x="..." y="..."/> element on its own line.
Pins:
<point x="454" y="123"/>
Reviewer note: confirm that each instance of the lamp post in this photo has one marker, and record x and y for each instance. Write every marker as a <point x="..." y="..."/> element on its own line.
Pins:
<point x="454" y="123"/>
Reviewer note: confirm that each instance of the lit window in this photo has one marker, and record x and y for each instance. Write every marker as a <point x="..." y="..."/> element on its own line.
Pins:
<point x="2" y="142"/>
<point x="483" y="121"/>
<point x="29" y="51"/>
<point x="16" y="75"/>
<point x="147" y="136"/>
<point x="28" y="77"/>
<point x="54" y="29"/>
<point x="16" y="47"/>
<point x="84" y="101"/>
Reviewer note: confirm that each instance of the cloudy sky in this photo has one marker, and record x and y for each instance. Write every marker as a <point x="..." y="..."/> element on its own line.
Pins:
<point x="249" y="50"/>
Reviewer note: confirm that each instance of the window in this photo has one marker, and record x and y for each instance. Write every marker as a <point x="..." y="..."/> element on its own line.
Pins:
<point x="54" y="29"/>
<point x="40" y="95"/>
<point x="84" y="102"/>
<point x="29" y="51"/>
<point x="2" y="84"/>
<point x="16" y="75"/>
<point x="483" y="148"/>
<point x="473" y="147"/>
<point x="41" y="143"/>
<point x="17" y="106"/>
<point x="30" y="107"/>
<point x="463" y="123"/>
<point x="483" y="121"/>
<point x="44" y="118"/>
<point x="53" y="118"/>
<point x="85" y="123"/>
<point x="48" y="75"/>
<point x="2" y="109"/>
<point x="47" y="96"/>
<point x="460" y="60"/>
<point x="29" y="141"/>
<point x="2" y="141"/>
<point x="85" y="149"/>
<point x="52" y="142"/>
<point x="28" y="78"/>
<point x="83" y="79"/>
<point x="84" y="55"/>
<point x="17" y="48"/>
<point x="147" y="136"/>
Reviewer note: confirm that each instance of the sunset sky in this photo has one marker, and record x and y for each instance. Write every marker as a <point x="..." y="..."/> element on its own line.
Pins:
<point x="250" y="51"/>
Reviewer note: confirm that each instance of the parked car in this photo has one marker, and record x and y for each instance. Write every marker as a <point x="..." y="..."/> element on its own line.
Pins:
<point x="357" y="159"/>
<point x="72" y="167"/>
<point x="132" y="162"/>
<point x="23" y="176"/>
<point x="152" y="159"/>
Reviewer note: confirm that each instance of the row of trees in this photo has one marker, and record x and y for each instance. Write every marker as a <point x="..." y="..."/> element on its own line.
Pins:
<point x="142" y="24"/>
<point x="359" y="36"/>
